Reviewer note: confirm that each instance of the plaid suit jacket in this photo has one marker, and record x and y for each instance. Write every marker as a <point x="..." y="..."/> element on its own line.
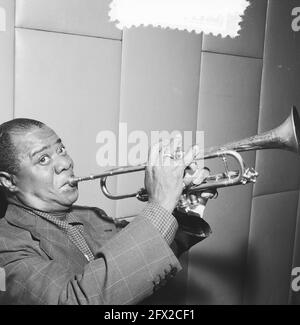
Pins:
<point x="43" y="267"/>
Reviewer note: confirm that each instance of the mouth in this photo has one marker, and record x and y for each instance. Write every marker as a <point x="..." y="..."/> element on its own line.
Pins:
<point x="70" y="184"/>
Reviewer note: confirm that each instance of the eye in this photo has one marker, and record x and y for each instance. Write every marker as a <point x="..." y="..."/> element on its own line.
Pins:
<point x="44" y="160"/>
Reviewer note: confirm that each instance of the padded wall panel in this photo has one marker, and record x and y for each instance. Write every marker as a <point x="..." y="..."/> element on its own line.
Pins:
<point x="250" y="41"/>
<point x="279" y="171"/>
<point x="73" y="84"/>
<point x="294" y="297"/>
<point x="228" y="110"/>
<point x="216" y="265"/>
<point x="227" y="98"/>
<point x="159" y="89"/>
<point x="270" y="251"/>
<point x="67" y="16"/>
<point x="7" y="22"/>
<point x="281" y="77"/>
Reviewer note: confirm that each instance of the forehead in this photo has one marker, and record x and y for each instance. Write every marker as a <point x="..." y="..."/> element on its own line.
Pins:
<point x="34" y="138"/>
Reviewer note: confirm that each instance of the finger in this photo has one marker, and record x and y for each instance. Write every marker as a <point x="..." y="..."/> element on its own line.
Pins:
<point x="195" y="175"/>
<point x="194" y="199"/>
<point x="171" y="150"/>
<point x="203" y="200"/>
<point x="165" y="146"/>
<point x="200" y="175"/>
<point x="165" y="153"/>
<point x="154" y="154"/>
<point x="189" y="156"/>
<point x="176" y="144"/>
<point x="207" y="195"/>
<point x="192" y="168"/>
<point x="189" y="173"/>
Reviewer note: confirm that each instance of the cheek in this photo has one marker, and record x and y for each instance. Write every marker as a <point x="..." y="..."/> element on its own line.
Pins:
<point x="42" y="177"/>
<point x="38" y="180"/>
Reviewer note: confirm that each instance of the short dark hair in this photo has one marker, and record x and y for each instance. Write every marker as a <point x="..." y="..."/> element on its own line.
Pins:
<point x="9" y="161"/>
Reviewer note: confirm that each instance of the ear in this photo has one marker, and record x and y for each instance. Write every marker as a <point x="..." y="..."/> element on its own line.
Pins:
<point x="7" y="182"/>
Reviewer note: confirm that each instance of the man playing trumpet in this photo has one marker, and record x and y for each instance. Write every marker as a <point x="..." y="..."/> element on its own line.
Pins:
<point x="54" y="252"/>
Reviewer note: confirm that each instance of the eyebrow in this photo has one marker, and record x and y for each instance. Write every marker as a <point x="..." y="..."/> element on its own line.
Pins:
<point x="43" y="148"/>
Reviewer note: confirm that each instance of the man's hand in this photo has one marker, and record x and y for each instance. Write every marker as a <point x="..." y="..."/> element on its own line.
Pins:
<point x="197" y="201"/>
<point x="165" y="172"/>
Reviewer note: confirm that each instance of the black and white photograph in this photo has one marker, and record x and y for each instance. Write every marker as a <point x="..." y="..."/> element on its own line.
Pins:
<point x="149" y="154"/>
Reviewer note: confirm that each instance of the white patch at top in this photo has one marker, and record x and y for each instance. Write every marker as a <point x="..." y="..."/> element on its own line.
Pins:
<point x="2" y="20"/>
<point x="209" y="16"/>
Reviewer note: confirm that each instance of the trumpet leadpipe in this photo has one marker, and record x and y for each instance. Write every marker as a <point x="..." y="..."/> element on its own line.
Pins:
<point x="111" y="172"/>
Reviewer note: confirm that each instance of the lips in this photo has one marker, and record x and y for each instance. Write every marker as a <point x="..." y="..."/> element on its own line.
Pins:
<point x="69" y="182"/>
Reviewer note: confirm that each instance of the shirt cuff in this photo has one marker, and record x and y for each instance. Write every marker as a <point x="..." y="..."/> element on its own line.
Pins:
<point x="162" y="220"/>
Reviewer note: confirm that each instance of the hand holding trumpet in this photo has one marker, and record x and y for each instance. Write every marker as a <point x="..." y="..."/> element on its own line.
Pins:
<point x="169" y="170"/>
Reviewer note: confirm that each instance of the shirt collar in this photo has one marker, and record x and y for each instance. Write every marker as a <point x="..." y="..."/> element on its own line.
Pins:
<point x="70" y="218"/>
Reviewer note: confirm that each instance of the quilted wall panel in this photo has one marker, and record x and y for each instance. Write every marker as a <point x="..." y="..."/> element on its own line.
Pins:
<point x="250" y="42"/>
<point x="271" y="245"/>
<point x="157" y="93"/>
<point x="7" y="22"/>
<point x="58" y="77"/>
<point x="228" y="110"/>
<point x="67" y="16"/>
<point x="274" y="233"/>
<point x="279" y="92"/>
<point x="294" y="296"/>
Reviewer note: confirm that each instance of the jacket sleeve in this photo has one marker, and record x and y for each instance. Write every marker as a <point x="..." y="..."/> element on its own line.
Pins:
<point x="128" y="268"/>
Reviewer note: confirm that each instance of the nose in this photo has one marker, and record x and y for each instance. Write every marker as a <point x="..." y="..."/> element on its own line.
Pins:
<point x="63" y="163"/>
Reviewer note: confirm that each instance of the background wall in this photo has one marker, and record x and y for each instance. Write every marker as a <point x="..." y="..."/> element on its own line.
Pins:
<point x="63" y="62"/>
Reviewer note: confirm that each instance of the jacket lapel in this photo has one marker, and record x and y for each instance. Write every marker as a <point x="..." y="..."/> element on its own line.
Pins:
<point x="53" y="241"/>
<point x="98" y="230"/>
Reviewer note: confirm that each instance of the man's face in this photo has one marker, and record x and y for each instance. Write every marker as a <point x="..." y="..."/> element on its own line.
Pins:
<point x="45" y="169"/>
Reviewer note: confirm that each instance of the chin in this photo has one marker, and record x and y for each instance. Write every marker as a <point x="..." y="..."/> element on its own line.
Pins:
<point x="69" y="198"/>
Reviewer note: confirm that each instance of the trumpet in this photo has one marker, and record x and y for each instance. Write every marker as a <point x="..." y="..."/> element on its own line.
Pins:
<point x="285" y="137"/>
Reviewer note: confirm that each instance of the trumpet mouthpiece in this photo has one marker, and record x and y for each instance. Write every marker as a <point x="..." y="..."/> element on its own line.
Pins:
<point x="74" y="181"/>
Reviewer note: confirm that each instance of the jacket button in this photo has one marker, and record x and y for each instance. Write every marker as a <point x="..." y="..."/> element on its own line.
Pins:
<point x="156" y="287"/>
<point x="173" y="271"/>
<point x="156" y="284"/>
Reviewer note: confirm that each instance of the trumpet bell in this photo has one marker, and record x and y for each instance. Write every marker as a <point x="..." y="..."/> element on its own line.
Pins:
<point x="286" y="137"/>
<point x="293" y="124"/>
